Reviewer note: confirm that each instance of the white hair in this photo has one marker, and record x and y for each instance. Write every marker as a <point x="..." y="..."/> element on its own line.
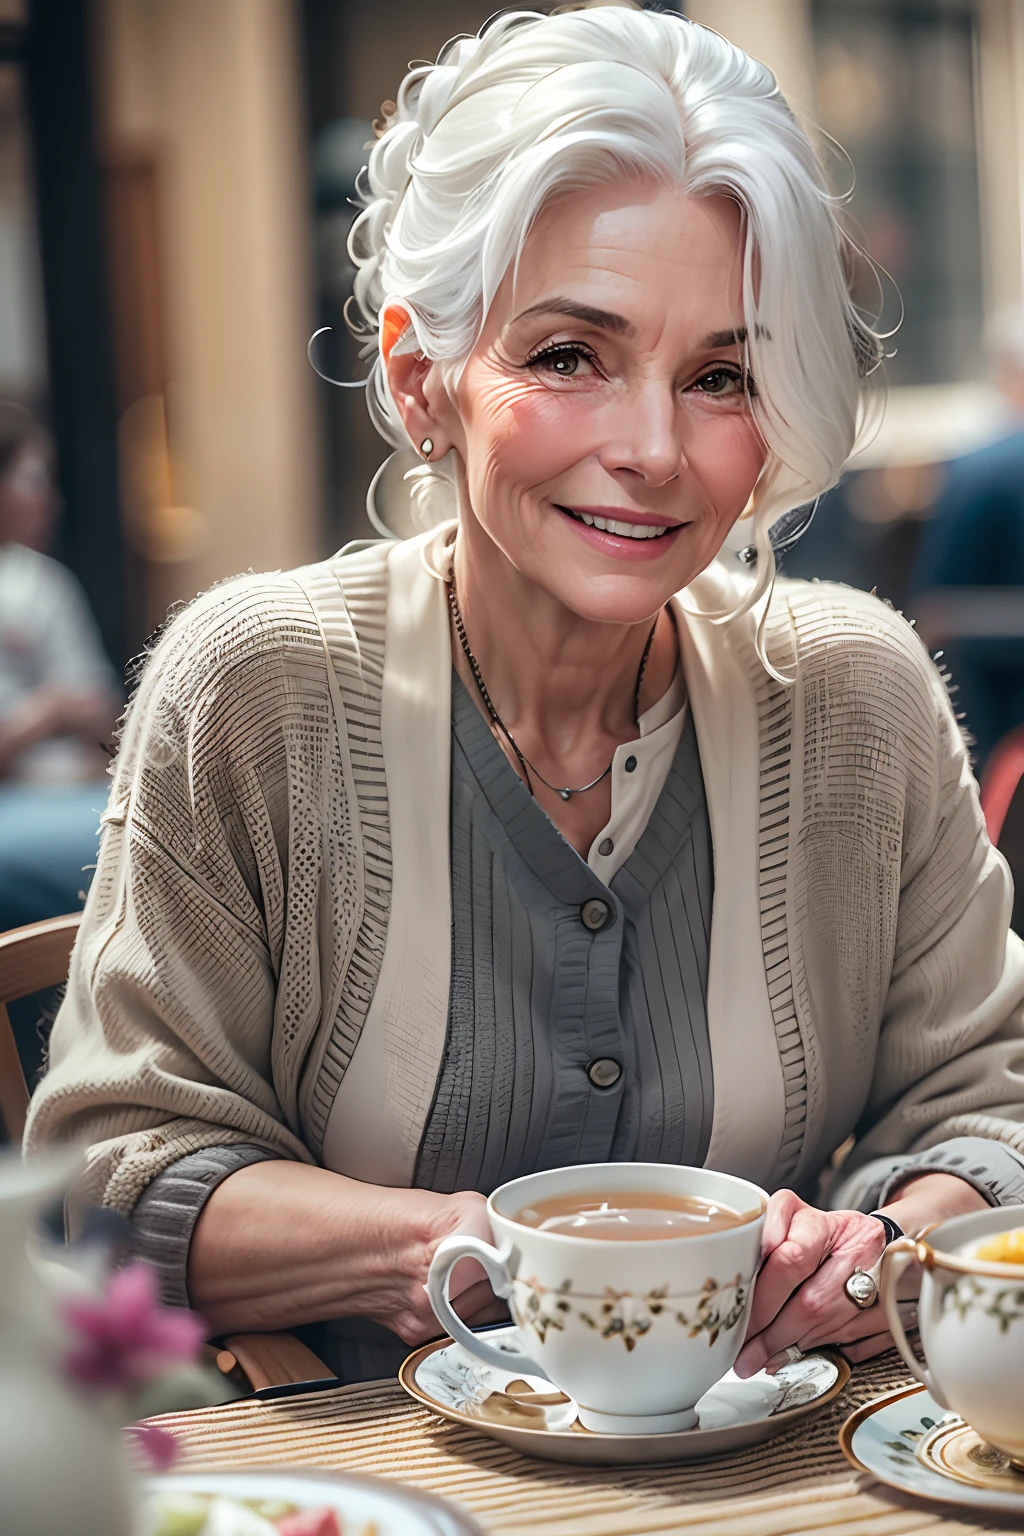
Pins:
<point x="535" y="106"/>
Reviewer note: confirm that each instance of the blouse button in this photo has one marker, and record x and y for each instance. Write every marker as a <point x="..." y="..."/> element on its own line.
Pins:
<point x="630" y="764"/>
<point x="594" y="914"/>
<point x="605" y="847"/>
<point x="604" y="1072"/>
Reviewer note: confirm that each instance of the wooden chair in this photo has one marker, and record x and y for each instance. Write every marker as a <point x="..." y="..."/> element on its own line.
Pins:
<point x="36" y="957"/>
<point x="31" y="959"/>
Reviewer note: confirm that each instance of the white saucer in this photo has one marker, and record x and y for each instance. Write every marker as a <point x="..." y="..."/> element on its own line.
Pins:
<point x="896" y="1439"/>
<point x="732" y="1415"/>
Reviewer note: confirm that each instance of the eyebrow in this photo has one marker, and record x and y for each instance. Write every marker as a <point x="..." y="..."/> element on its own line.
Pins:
<point x="719" y="339"/>
<point x="618" y="325"/>
<point x="588" y="314"/>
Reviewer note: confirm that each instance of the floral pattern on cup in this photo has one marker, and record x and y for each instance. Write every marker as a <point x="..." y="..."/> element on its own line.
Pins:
<point x="622" y="1315"/>
<point x="966" y="1295"/>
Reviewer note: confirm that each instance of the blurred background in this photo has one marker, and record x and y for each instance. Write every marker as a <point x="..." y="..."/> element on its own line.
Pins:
<point x="175" y="184"/>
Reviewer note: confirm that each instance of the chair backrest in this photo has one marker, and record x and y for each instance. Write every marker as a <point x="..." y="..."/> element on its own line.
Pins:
<point x="1000" y="782"/>
<point x="1002" y="800"/>
<point x="1011" y="846"/>
<point x="31" y="958"/>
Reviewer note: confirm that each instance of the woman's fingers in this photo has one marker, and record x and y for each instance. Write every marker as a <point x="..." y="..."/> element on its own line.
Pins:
<point x="864" y="1349"/>
<point x="476" y="1300"/>
<point x="820" y="1312"/>
<point x="796" y="1239"/>
<point x="476" y="1304"/>
<point x="494" y="1310"/>
<point x="800" y="1296"/>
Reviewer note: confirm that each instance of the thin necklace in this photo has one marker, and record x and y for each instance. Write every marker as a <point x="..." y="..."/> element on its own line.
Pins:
<point x="524" y="762"/>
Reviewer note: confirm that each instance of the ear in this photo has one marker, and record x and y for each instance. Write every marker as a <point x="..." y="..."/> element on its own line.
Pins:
<point x="408" y="374"/>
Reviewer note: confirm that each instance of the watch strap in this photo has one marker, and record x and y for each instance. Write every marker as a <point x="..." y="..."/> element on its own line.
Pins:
<point x="893" y="1230"/>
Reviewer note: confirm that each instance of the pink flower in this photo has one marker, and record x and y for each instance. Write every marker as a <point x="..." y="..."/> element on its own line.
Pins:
<point x="125" y="1338"/>
<point x="157" y="1447"/>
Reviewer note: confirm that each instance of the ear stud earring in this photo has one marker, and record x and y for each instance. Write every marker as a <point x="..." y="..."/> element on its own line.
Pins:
<point x="427" y="447"/>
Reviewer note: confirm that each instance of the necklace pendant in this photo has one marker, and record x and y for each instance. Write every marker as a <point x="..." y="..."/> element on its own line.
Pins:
<point x="565" y="793"/>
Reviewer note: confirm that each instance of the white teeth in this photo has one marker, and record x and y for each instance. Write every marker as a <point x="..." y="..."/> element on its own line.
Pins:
<point x="623" y="530"/>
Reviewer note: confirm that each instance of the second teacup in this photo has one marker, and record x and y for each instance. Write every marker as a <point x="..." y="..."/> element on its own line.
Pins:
<point x="971" y="1315"/>
<point x="636" y="1329"/>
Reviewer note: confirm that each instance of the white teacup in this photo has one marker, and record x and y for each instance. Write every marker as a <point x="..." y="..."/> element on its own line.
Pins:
<point x="971" y="1316"/>
<point x="635" y="1331"/>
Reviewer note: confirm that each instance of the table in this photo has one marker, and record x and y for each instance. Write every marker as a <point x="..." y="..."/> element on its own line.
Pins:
<point x="798" y="1483"/>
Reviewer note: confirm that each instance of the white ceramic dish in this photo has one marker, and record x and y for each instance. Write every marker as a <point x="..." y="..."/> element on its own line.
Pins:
<point x="386" y="1508"/>
<point x="732" y="1415"/>
<point x="887" y="1438"/>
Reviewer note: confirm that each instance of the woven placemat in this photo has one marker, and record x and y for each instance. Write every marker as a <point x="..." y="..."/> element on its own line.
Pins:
<point x="797" y="1483"/>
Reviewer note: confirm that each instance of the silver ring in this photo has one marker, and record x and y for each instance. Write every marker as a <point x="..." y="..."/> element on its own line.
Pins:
<point x="862" y="1288"/>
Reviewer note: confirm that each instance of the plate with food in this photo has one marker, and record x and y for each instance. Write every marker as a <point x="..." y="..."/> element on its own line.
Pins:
<point x="287" y="1502"/>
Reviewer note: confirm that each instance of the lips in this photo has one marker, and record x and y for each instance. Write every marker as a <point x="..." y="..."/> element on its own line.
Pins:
<point x="628" y="525"/>
<point x="637" y="536"/>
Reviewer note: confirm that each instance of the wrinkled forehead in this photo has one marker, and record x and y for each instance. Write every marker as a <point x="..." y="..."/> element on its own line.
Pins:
<point x="648" y="252"/>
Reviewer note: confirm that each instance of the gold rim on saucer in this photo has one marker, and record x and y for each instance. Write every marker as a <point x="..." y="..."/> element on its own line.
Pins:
<point x="868" y="1411"/>
<point x="958" y="1451"/>
<point x="893" y="1432"/>
<point x="517" y="1416"/>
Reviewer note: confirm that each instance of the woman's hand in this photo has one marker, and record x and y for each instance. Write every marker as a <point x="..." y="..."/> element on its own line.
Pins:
<point x="808" y="1255"/>
<point x="469" y="1288"/>
<point x="282" y="1243"/>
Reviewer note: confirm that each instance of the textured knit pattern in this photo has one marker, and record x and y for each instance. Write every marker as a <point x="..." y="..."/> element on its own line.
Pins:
<point x="228" y="946"/>
<point x="992" y="1168"/>
<point x="536" y="996"/>
<point x="166" y="1212"/>
<point x="241" y="884"/>
<point x="775" y="713"/>
<point x="354" y="638"/>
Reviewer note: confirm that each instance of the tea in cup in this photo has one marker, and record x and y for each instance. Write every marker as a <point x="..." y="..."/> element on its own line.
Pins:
<point x="630" y="1283"/>
<point x="971" y="1317"/>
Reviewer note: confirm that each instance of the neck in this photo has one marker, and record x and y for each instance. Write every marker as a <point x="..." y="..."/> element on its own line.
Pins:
<point x="564" y="686"/>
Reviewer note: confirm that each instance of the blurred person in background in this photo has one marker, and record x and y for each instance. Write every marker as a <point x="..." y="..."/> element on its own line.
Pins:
<point x="58" y="694"/>
<point x="975" y="539"/>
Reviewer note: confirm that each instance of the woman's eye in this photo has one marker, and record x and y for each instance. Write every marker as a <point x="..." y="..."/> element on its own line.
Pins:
<point x="723" y="381"/>
<point x="564" y="362"/>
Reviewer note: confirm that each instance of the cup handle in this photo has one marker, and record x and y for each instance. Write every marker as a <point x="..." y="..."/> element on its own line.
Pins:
<point x="446" y="1255"/>
<point x="895" y="1261"/>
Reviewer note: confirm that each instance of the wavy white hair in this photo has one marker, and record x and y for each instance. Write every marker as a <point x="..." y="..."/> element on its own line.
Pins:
<point x="537" y="105"/>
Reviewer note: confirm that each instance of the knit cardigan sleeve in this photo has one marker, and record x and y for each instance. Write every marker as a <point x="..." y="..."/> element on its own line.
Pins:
<point x="949" y="1070"/>
<point x="187" y="1015"/>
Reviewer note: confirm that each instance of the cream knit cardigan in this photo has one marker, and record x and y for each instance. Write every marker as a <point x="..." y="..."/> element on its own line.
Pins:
<point x="265" y="952"/>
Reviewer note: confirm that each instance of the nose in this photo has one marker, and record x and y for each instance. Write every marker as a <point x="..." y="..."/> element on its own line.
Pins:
<point x="646" y="439"/>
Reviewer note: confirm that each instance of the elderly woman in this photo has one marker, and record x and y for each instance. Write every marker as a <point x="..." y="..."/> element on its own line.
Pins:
<point x="546" y="836"/>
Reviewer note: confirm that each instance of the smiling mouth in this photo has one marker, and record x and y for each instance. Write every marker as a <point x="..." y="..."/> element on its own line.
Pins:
<point x="620" y="529"/>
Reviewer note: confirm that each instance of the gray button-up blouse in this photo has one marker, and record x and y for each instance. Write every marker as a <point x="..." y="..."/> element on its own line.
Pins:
<point x="577" y="1025"/>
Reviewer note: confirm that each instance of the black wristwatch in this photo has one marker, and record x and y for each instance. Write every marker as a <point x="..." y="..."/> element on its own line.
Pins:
<point x="893" y="1230"/>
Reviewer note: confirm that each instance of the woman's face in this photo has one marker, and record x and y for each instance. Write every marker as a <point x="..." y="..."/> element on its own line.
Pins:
<point x="608" y="389"/>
